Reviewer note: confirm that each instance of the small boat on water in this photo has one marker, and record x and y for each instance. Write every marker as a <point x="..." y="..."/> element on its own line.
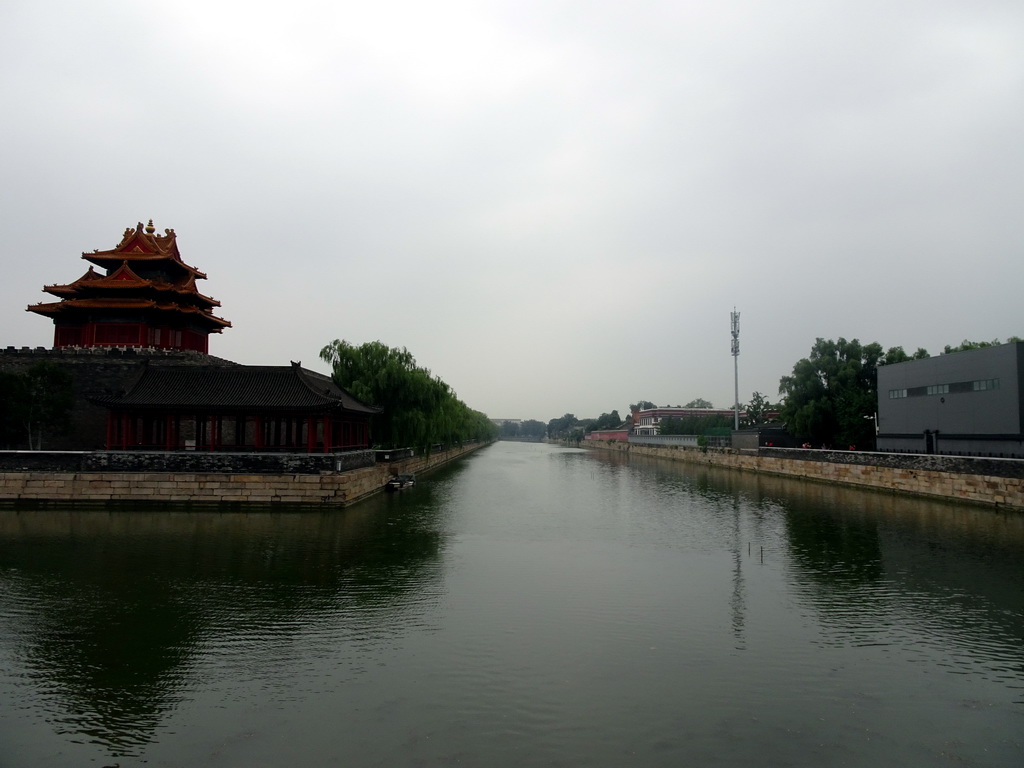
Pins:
<point x="400" y="482"/>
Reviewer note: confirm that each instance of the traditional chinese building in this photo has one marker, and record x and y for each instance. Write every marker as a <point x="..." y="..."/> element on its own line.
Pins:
<point x="236" y="408"/>
<point x="135" y="340"/>
<point x="146" y="296"/>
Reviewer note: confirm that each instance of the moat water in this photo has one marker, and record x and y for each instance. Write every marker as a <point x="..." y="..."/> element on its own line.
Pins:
<point x="528" y="606"/>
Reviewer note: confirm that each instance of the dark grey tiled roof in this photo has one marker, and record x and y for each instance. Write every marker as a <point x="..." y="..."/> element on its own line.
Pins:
<point x="241" y="387"/>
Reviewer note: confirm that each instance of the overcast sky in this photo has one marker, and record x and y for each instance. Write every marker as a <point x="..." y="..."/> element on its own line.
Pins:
<point x="553" y="205"/>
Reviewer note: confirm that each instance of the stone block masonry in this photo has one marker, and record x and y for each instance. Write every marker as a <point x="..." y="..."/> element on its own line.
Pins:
<point x="211" y="489"/>
<point x="992" y="482"/>
<point x="201" y="490"/>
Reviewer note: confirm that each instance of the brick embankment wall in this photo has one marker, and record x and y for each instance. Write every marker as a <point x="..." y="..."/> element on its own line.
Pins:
<point x="335" y="489"/>
<point x="996" y="482"/>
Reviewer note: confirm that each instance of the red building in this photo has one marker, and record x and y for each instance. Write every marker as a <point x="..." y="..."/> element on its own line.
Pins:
<point x="620" y="434"/>
<point x="135" y="341"/>
<point x="145" y="297"/>
<point x="236" y="408"/>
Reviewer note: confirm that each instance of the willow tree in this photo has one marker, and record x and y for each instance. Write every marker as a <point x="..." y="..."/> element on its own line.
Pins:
<point x="419" y="410"/>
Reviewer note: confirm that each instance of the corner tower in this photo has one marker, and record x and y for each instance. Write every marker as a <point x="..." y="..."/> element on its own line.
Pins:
<point x="146" y="296"/>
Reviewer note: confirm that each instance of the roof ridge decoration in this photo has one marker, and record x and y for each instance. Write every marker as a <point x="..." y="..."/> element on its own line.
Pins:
<point x="145" y="234"/>
<point x="142" y="242"/>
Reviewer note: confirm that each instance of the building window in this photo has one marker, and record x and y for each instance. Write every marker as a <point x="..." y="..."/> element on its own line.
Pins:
<point x="897" y="393"/>
<point x="938" y="389"/>
<point x="985" y="384"/>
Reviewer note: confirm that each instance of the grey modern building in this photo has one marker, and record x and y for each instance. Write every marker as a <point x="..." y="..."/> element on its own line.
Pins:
<point x="967" y="403"/>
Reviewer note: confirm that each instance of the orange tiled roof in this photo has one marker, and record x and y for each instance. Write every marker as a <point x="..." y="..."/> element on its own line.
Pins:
<point x="143" y="244"/>
<point x="171" y="286"/>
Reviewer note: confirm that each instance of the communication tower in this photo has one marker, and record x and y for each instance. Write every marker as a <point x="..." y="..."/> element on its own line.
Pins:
<point x="736" y="364"/>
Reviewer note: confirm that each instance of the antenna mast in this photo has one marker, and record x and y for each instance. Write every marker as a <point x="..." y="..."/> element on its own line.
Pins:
<point x="736" y="364"/>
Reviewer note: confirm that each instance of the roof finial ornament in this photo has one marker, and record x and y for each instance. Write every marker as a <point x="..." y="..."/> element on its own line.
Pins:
<point x="150" y="229"/>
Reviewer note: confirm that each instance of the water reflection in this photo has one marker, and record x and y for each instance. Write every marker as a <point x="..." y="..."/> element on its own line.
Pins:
<point x="937" y="579"/>
<point x="530" y="607"/>
<point x="112" y="614"/>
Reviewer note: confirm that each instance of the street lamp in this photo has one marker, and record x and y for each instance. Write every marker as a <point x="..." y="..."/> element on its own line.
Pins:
<point x="874" y="416"/>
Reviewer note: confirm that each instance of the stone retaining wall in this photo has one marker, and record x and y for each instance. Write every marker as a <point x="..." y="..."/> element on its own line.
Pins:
<point x="996" y="482"/>
<point x="335" y="489"/>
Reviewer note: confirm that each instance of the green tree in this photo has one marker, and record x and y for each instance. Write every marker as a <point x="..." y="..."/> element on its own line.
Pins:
<point x="965" y="345"/>
<point x="35" y="403"/>
<point x="694" y="425"/>
<point x="585" y="425"/>
<point x="641" y="405"/>
<point x="419" y="410"/>
<point x="558" y="429"/>
<point x="605" y="421"/>
<point x="757" y="409"/>
<point x="533" y="428"/>
<point x="897" y="355"/>
<point x="11" y="433"/>
<point x="699" y="402"/>
<point x="832" y="393"/>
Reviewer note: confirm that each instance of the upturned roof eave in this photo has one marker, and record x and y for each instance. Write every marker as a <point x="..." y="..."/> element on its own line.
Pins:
<point x="98" y="287"/>
<point x="146" y="305"/>
<point x="104" y="258"/>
